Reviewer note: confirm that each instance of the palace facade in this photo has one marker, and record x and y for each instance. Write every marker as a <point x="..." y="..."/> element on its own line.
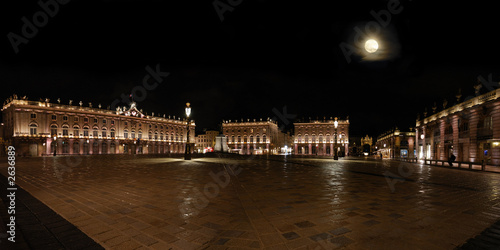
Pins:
<point x="206" y="142"/>
<point x="396" y="144"/>
<point x="470" y="130"/>
<point x="252" y="137"/>
<point x="317" y="137"/>
<point x="39" y="128"/>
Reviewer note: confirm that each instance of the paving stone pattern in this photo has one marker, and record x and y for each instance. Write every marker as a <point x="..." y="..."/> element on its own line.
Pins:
<point x="147" y="202"/>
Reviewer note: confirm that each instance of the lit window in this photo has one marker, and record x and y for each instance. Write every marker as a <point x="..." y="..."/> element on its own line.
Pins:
<point x="53" y="130"/>
<point x="33" y="129"/>
<point x="76" y="130"/>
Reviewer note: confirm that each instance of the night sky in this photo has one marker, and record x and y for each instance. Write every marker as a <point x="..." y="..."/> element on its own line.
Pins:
<point x="264" y="56"/>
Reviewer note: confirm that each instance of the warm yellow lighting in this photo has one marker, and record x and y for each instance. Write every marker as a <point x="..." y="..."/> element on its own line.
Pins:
<point x="371" y="46"/>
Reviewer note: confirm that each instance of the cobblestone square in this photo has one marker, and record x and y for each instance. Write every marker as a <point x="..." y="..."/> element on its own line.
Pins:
<point x="236" y="202"/>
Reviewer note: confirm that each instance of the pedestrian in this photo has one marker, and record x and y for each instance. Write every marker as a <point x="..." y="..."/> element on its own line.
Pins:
<point x="381" y="157"/>
<point x="451" y="159"/>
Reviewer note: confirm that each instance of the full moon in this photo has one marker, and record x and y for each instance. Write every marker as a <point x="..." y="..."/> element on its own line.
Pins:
<point x="371" y="46"/>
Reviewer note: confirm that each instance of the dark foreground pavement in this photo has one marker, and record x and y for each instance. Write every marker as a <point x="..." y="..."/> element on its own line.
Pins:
<point x="147" y="202"/>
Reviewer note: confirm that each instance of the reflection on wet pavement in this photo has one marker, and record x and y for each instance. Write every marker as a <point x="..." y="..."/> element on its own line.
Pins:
<point x="129" y="202"/>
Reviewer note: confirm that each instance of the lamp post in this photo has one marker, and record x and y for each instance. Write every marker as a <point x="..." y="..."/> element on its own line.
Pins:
<point x="55" y="145"/>
<point x="187" y="154"/>
<point x="336" y="124"/>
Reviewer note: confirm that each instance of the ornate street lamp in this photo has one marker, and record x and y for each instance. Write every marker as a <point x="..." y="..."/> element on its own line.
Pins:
<point x="187" y="154"/>
<point x="336" y="124"/>
<point x="55" y="145"/>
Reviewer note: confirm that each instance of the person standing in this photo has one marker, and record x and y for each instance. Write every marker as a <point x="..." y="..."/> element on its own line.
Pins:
<point x="451" y="159"/>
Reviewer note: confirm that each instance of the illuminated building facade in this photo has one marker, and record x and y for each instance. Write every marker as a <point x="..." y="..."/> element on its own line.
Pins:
<point x="317" y="137"/>
<point x="252" y="137"/>
<point x="470" y="130"/>
<point x="38" y="128"/>
<point x="396" y="144"/>
<point x="206" y="142"/>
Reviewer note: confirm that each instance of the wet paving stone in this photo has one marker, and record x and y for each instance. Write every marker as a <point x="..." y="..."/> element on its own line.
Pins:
<point x="124" y="201"/>
<point x="305" y="224"/>
<point x="340" y="231"/>
<point x="291" y="235"/>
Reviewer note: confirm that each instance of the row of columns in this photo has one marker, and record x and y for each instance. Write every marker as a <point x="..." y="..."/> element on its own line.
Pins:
<point x="119" y="148"/>
<point x="468" y="149"/>
<point x="310" y="146"/>
<point x="248" y="148"/>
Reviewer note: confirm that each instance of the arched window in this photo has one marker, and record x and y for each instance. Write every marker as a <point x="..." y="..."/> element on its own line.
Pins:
<point x="76" y="130"/>
<point x="85" y="131"/>
<point x="103" y="133"/>
<point x="264" y="139"/>
<point x="125" y="133"/>
<point x="53" y="130"/>
<point x="488" y="123"/>
<point x="139" y="134"/>
<point x="112" y="132"/>
<point x="150" y="135"/>
<point x="95" y="131"/>
<point x="132" y="134"/>
<point x="65" y="128"/>
<point x="463" y="126"/>
<point x="251" y="139"/>
<point x="33" y="128"/>
<point x="448" y="130"/>
<point x="485" y="126"/>
<point x="76" y="147"/>
<point x="156" y="135"/>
